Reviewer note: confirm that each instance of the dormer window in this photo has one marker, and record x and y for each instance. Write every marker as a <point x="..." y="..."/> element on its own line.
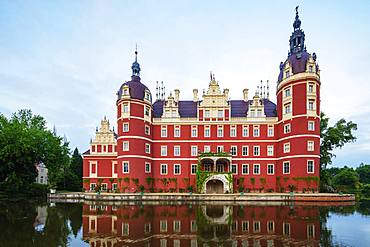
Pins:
<point x="259" y="113"/>
<point x="125" y="91"/>
<point x="253" y="113"/>
<point x="287" y="73"/>
<point x="220" y="113"/>
<point x="310" y="68"/>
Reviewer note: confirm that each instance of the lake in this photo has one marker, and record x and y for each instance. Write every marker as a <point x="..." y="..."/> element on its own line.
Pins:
<point x="175" y="224"/>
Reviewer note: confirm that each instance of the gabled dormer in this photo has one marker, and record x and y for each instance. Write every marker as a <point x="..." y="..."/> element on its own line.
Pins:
<point x="256" y="107"/>
<point x="104" y="141"/>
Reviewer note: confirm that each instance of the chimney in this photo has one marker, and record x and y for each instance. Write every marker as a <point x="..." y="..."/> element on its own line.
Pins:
<point x="245" y="94"/>
<point x="226" y="93"/>
<point x="177" y="95"/>
<point x="195" y="95"/>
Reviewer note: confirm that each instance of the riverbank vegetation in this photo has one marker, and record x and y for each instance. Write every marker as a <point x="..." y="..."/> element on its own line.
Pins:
<point x="24" y="142"/>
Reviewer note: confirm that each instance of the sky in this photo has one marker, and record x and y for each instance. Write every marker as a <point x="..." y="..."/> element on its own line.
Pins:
<point x="65" y="60"/>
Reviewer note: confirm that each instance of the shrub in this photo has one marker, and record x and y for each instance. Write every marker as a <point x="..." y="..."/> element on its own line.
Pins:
<point x="37" y="190"/>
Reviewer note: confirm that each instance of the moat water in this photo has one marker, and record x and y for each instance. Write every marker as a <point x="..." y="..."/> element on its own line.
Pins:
<point x="175" y="225"/>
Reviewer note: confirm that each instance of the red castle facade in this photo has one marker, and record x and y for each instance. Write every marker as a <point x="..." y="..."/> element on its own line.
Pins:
<point x="212" y="144"/>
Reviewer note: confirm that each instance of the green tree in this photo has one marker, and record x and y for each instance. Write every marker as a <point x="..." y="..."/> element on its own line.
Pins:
<point x="334" y="137"/>
<point x="347" y="179"/>
<point x="24" y="142"/>
<point x="363" y="172"/>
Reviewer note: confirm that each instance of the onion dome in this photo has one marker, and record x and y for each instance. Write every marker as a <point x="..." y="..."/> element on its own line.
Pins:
<point x="297" y="55"/>
<point x="134" y="89"/>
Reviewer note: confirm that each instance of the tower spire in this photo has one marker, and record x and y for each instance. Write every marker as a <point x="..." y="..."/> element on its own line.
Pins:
<point x="135" y="65"/>
<point x="296" y="40"/>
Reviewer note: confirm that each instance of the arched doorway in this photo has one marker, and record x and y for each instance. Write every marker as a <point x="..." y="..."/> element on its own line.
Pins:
<point x="214" y="186"/>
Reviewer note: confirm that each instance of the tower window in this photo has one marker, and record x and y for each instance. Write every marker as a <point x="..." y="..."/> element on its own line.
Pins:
<point x="311" y="105"/>
<point x="287" y="92"/>
<point x="287" y="73"/>
<point x="310" y="167"/>
<point x="125" y="108"/>
<point x="286" y="168"/>
<point x="310" y="68"/>
<point x="287" y="108"/>
<point x="287" y="147"/>
<point x="287" y="128"/>
<point x="310" y="88"/>
<point x="311" y="125"/>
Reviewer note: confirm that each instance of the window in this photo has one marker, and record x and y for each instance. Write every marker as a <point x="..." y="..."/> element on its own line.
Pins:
<point x="163" y="242"/>
<point x="220" y="168"/>
<point x="207" y="167"/>
<point x="256" y="226"/>
<point x="310" y="88"/>
<point x="147" y="148"/>
<point x="256" y="131"/>
<point x="177" y="131"/>
<point x="311" y="125"/>
<point x="311" y="105"/>
<point x="93" y="168"/>
<point x="176" y="226"/>
<point x="194" y="131"/>
<point x="104" y="187"/>
<point x="253" y="113"/>
<point x="163" y="225"/>
<point x="147" y="130"/>
<point x="114" y="186"/>
<point x="270" y="226"/>
<point x="310" y="231"/>
<point x="125" y="229"/>
<point x="256" y="150"/>
<point x="164" y="131"/>
<point x="125" y="108"/>
<point x="125" y="91"/>
<point x="286" y="228"/>
<point x="146" y="111"/>
<point x="193" y="226"/>
<point x="287" y="73"/>
<point x="148" y="168"/>
<point x="194" y="150"/>
<point x="310" y="146"/>
<point x="92" y="186"/>
<point x="259" y="113"/>
<point x="207" y="114"/>
<point x="287" y="128"/>
<point x="125" y="146"/>
<point x="176" y="150"/>
<point x="245" y="169"/>
<point x="287" y="92"/>
<point x="233" y="150"/>
<point x="220" y="149"/>
<point x="207" y="149"/>
<point x="310" y="68"/>
<point x="193" y="169"/>
<point x="207" y="131"/>
<point x="163" y="150"/>
<point x="270" y="169"/>
<point x="125" y="127"/>
<point x="286" y="167"/>
<point x="245" y="131"/>
<point x="287" y="108"/>
<point x="147" y="227"/>
<point x="125" y="167"/>
<point x="176" y="169"/>
<point x="245" y="150"/>
<point x="310" y="167"/>
<point x="270" y="150"/>
<point x="234" y="169"/>
<point x="270" y="131"/>
<point x="232" y="131"/>
<point x="256" y="169"/>
<point x="220" y="113"/>
<point x="287" y="147"/>
<point x="220" y="131"/>
<point x="163" y="169"/>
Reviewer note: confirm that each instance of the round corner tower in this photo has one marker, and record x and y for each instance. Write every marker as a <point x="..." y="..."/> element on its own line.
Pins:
<point x="298" y="111"/>
<point x="134" y="141"/>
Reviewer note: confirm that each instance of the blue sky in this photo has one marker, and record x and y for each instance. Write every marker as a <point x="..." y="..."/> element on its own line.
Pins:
<point x="66" y="60"/>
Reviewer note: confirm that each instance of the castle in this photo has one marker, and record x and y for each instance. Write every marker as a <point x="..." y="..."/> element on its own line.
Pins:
<point x="212" y="144"/>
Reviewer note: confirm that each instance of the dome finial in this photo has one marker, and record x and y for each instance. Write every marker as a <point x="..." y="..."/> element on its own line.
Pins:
<point x="135" y="65"/>
<point x="297" y="21"/>
<point x="297" y="38"/>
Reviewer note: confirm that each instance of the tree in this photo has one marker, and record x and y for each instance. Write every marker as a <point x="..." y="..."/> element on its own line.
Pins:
<point x="24" y="142"/>
<point x="363" y="172"/>
<point x="334" y="137"/>
<point x="346" y="179"/>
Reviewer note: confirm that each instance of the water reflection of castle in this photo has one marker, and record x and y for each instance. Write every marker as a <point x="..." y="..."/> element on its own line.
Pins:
<point x="200" y="225"/>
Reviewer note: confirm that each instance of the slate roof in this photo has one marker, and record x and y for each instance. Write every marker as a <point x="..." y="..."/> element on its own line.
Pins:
<point x="239" y="108"/>
<point x="298" y="63"/>
<point x="137" y="89"/>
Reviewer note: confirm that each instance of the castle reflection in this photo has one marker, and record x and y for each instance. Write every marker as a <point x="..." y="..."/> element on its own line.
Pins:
<point x="201" y="225"/>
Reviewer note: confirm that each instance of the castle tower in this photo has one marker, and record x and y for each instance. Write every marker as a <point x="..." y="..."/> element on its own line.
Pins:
<point x="298" y="111"/>
<point x="134" y="142"/>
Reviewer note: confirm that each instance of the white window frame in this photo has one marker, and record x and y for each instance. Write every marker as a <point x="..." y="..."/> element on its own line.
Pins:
<point x="207" y="128"/>
<point x="191" y="167"/>
<point x="123" y="167"/>
<point x="125" y="229"/>
<point x="147" y="129"/>
<point x="236" y="150"/>
<point x="254" y="169"/>
<point x="147" y="110"/>
<point x="177" y="226"/>
<point x="161" y="166"/>
<point x="207" y="149"/>
<point x="287" y="92"/>
<point x="123" y="108"/>
<point x="254" y="150"/>
<point x="148" y="165"/>
<point x="233" y="131"/>
<point x="270" y="150"/>
<point x="177" y="150"/>
<point x="270" y="131"/>
<point x="310" y="146"/>
<point x="220" y="149"/>
<point x="174" y="169"/>
<point x="247" y="166"/>
<point x="273" y="169"/>
<point x="243" y="149"/>
<point x="286" y="147"/>
<point x="220" y="131"/>
<point x="147" y="148"/>
<point x="95" y="174"/>
<point x="313" y="126"/>
<point x="123" y="127"/>
<point x="207" y="114"/>
<point x="194" y="151"/>
<point x="177" y="131"/>
<point x="164" y="132"/>
<point x="287" y="128"/>
<point x="288" y="163"/>
<point x="245" y="131"/>
<point x="163" y="150"/>
<point x="313" y="166"/>
<point x="236" y="169"/>
<point x="287" y="108"/>
<point x="311" y="102"/>
<point x="256" y="128"/>
<point x="163" y="226"/>
<point x="194" y="131"/>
